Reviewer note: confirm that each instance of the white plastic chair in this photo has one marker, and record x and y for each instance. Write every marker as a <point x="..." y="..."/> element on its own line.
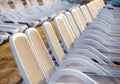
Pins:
<point x="20" y="27"/>
<point x="50" y="10"/>
<point x="92" y="7"/>
<point x="86" y="13"/>
<point x="16" y="17"/>
<point x="72" y="24"/>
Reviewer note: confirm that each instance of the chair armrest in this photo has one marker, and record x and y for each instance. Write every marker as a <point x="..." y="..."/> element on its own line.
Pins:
<point x="93" y="50"/>
<point x="88" y="54"/>
<point x="71" y="72"/>
<point x="88" y="65"/>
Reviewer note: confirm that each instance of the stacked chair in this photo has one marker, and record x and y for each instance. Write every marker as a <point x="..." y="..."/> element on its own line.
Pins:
<point x="29" y="15"/>
<point x="7" y="29"/>
<point x="86" y="52"/>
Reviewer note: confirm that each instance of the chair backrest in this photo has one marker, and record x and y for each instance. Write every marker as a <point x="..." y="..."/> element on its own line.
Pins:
<point x="63" y="33"/>
<point x="53" y="42"/>
<point x="41" y="51"/>
<point x="102" y="3"/>
<point x="69" y="28"/>
<point x="28" y="2"/>
<point x="86" y="13"/>
<point x="77" y="20"/>
<point x="48" y="2"/>
<point x="18" y="4"/>
<point x="32" y="2"/>
<point x="25" y="59"/>
<point x="3" y="7"/>
<point x="91" y="9"/>
<point x="96" y="6"/>
<point x="72" y="23"/>
<point x="81" y="17"/>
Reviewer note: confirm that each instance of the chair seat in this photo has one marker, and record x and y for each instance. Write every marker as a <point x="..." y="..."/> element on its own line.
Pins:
<point x="21" y="27"/>
<point x="106" y="79"/>
<point x="111" y="67"/>
<point x="100" y="79"/>
<point x="115" y="55"/>
<point x="9" y="30"/>
<point x="70" y="80"/>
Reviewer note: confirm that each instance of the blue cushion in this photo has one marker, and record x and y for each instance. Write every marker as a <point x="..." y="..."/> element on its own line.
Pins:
<point x="74" y="1"/>
<point x="114" y="2"/>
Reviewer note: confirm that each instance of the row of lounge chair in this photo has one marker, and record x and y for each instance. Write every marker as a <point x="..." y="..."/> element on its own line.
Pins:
<point x="29" y="15"/>
<point x="87" y="51"/>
